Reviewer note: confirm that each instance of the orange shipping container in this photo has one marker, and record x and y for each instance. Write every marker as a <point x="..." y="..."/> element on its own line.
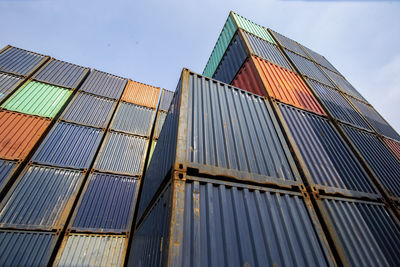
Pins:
<point x="394" y="146"/>
<point x="141" y="94"/>
<point x="19" y="133"/>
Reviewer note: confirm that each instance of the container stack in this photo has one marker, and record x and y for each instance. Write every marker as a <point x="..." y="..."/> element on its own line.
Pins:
<point x="295" y="168"/>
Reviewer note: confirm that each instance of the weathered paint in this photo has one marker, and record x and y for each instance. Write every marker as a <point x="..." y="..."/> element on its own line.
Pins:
<point x="107" y="204"/>
<point x="69" y="145"/>
<point x="7" y="84"/>
<point x="61" y="73"/>
<point x="122" y="153"/>
<point x="252" y="27"/>
<point x="36" y="98"/>
<point x="88" y="109"/>
<point x="41" y="198"/>
<point x="131" y="118"/>
<point x="104" y="84"/>
<point x="92" y="250"/>
<point x="19" y="61"/>
<point x="160" y="123"/>
<point x="7" y="169"/>
<point x="166" y="98"/>
<point x="394" y="147"/>
<point x="288" y="43"/>
<point x="18" y="248"/>
<point x="19" y="133"/>
<point x="141" y="94"/>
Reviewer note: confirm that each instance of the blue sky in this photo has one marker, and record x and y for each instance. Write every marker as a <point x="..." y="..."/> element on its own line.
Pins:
<point x="151" y="41"/>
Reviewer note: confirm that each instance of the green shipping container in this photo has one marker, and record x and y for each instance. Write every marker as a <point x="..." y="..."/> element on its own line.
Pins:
<point x="253" y="28"/>
<point x="36" y="98"/>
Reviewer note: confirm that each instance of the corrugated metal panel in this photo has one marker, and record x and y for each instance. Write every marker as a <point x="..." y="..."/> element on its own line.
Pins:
<point x="308" y="68"/>
<point x="107" y="204"/>
<point x="159" y="124"/>
<point x="122" y="153"/>
<point x="329" y="160"/>
<point x="41" y="198"/>
<point x="152" y="148"/>
<point x="133" y="119"/>
<point x="286" y="86"/>
<point x="92" y="250"/>
<point x="337" y="105"/>
<point x="7" y="169"/>
<point x="88" y="109"/>
<point x="7" y="84"/>
<point x="366" y="233"/>
<point x="69" y="145"/>
<point x="19" y="133"/>
<point x="166" y="99"/>
<point x="253" y="28"/>
<point x="19" y="61"/>
<point x="61" y="73"/>
<point x="222" y="43"/>
<point x="141" y="94"/>
<point x="233" y="59"/>
<point x="375" y="119"/>
<point x="104" y="84"/>
<point x="383" y="163"/>
<point x="289" y="43"/>
<point x="25" y="248"/>
<point x="266" y="50"/>
<point x="320" y="59"/>
<point x="39" y="99"/>
<point x="394" y="146"/>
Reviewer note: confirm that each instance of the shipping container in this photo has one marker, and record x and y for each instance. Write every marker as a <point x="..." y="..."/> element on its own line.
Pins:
<point x="252" y="27"/>
<point x="61" y="73"/>
<point x="159" y="124"/>
<point x="40" y="199"/>
<point x="364" y="233"/>
<point x="394" y="147"/>
<point x="40" y="99"/>
<point x="321" y="60"/>
<point x="166" y="98"/>
<point x="90" y="110"/>
<point x="18" y="248"/>
<point x="327" y="161"/>
<point x="288" y="43"/>
<point x="308" y="68"/>
<point x="7" y="169"/>
<point x="104" y="84"/>
<point x="337" y="105"/>
<point x="19" y="61"/>
<point x="224" y="132"/>
<point x="383" y="163"/>
<point x="231" y="62"/>
<point x="107" y="204"/>
<point x="279" y="83"/>
<point x="375" y="119"/>
<point x="152" y="148"/>
<point x="19" y="133"/>
<point x="7" y="84"/>
<point x="122" y="154"/>
<point x="92" y="250"/>
<point x="69" y="145"/>
<point x="134" y="119"/>
<point x="198" y="222"/>
<point x="141" y="94"/>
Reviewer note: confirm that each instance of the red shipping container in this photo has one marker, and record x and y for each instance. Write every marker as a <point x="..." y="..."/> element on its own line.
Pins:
<point x="394" y="147"/>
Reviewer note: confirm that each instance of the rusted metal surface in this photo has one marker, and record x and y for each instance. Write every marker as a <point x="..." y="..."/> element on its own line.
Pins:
<point x="19" y="133"/>
<point x="166" y="98"/>
<point x="104" y="84"/>
<point x="7" y="84"/>
<point x="394" y="147"/>
<point x="141" y="94"/>
<point x="41" y="198"/>
<point x="7" y="169"/>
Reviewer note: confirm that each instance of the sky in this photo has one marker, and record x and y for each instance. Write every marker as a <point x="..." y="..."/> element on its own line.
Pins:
<point x="151" y="41"/>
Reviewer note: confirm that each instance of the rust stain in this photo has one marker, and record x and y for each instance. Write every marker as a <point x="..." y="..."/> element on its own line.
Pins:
<point x="394" y="146"/>
<point x="141" y="94"/>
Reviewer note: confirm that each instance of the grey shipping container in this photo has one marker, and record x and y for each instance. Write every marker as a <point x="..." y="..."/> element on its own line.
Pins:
<point x="19" y="61"/>
<point x="365" y="233"/>
<point x="91" y="110"/>
<point x="18" y="248"/>
<point x="7" y="169"/>
<point x="375" y="119"/>
<point x="91" y="250"/>
<point x="337" y="105"/>
<point x="104" y="84"/>
<point x="198" y="222"/>
<point x="381" y="160"/>
<point x="166" y="99"/>
<point x="321" y="60"/>
<point x="223" y="131"/>
<point x="61" y="73"/>
<point x="131" y="118"/>
<point x="107" y="204"/>
<point x="69" y="145"/>
<point x="7" y="84"/>
<point x="40" y="199"/>
<point x="159" y="124"/>
<point x="328" y="162"/>
<point x="288" y="43"/>
<point x="230" y="64"/>
<point x="122" y="154"/>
